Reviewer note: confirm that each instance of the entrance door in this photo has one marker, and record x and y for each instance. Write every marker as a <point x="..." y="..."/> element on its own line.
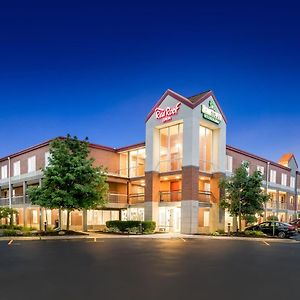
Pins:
<point x="175" y="189"/>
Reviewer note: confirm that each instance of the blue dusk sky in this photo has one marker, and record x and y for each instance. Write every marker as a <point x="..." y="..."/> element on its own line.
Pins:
<point x="96" y="68"/>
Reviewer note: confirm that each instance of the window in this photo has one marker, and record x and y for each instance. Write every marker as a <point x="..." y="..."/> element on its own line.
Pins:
<point x="273" y="176"/>
<point x="47" y="157"/>
<point x="17" y="169"/>
<point x="4" y="172"/>
<point x="283" y="179"/>
<point x="229" y="164"/>
<point x="248" y="166"/>
<point x="31" y="164"/>
<point x="137" y="162"/>
<point x="205" y="148"/>
<point x="292" y="182"/>
<point x="170" y="148"/>
<point x="261" y="169"/>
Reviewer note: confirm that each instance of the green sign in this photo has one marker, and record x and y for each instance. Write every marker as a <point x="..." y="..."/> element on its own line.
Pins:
<point x="210" y="112"/>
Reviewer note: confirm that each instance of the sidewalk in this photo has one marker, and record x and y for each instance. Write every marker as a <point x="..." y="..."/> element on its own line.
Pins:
<point x="162" y="236"/>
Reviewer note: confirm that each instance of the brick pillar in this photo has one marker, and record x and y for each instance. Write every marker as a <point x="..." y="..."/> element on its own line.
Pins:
<point x="152" y="197"/>
<point x="190" y="203"/>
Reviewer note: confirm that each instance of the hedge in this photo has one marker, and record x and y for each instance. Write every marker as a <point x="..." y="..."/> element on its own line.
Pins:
<point x="131" y="226"/>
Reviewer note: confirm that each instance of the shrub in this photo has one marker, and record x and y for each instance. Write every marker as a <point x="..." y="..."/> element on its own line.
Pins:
<point x="8" y="226"/>
<point x="220" y="231"/>
<point x="254" y="233"/>
<point x="9" y="232"/>
<point x="131" y="226"/>
<point x="272" y="218"/>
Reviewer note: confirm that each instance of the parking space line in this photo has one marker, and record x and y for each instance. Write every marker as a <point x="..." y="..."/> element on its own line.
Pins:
<point x="183" y="240"/>
<point x="10" y="242"/>
<point x="266" y="243"/>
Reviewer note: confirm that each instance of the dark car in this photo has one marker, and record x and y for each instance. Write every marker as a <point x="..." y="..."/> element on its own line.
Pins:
<point x="296" y="223"/>
<point x="279" y="229"/>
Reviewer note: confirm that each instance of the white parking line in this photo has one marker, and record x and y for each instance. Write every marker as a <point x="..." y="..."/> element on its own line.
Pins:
<point x="266" y="243"/>
<point x="183" y="240"/>
<point x="10" y="242"/>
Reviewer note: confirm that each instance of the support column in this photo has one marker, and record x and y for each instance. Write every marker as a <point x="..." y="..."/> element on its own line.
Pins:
<point x="152" y="196"/>
<point x="277" y="202"/>
<point x="190" y="203"/>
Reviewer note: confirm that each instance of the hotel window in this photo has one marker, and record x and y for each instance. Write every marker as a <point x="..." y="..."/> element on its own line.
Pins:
<point x="292" y="182"/>
<point x="205" y="148"/>
<point x="283" y="179"/>
<point x="229" y="163"/>
<point x="248" y="166"/>
<point x="31" y="164"/>
<point x="17" y="168"/>
<point x="137" y="162"/>
<point x="273" y="176"/>
<point x="47" y="157"/>
<point x="170" y="148"/>
<point x="261" y="169"/>
<point x="123" y="164"/>
<point x="4" y="172"/>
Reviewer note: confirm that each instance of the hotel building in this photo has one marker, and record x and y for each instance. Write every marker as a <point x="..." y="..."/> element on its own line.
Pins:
<point x="172" y="178"/>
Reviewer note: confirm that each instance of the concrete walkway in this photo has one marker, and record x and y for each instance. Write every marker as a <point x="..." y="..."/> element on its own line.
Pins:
<point x="164" y="236"/>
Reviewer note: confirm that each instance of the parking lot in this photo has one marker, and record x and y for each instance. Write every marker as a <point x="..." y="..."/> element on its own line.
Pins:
<point x="149" y="269"/>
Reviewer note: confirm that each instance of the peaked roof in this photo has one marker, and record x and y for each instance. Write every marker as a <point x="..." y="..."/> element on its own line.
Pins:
<point x="191" y="102"/>
<point x="285" y="159"/>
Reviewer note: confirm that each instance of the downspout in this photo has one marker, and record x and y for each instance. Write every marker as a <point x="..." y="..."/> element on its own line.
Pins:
<point x="9" y="183"/>
<point x="267" y="186"/>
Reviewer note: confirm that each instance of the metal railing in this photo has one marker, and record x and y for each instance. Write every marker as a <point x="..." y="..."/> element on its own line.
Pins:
<point x="131" y="172"/>
<point x="170" y="196"/>
<point x="204" y="196"/>
<point x="170" y="165"/>
<point x="271" y="204"/>
<point x="136" y="198"/>
<point x="117" y="198"/>
<point x="282" y="205"/>
<point x="16" y="200"/>
<point x="207" y="166"/>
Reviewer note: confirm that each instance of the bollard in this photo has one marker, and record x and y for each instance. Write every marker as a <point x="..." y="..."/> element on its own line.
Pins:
<point x="45" y="226"/>
<point x="228" y="229"/>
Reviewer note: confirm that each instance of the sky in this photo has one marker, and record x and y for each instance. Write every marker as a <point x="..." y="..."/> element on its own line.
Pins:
<point x="96" y="68"/>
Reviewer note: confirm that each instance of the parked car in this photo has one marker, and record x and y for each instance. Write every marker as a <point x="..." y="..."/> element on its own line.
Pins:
<point x="296" y="223"/>
<point x="280" y="229"/>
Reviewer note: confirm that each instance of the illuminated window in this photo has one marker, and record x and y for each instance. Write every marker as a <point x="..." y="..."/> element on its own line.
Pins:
<point x="47" y="157"/>
<point x="229" y="163"/>
<point x="273" y="176"/>
<point x="31" y="164"/>
<point x="205" y="149"/>
<point x="248" y="166"/>
<point x="16" y="168"/>
<point x="4" y="172"/>
<point x="137" y="162"/>
<point x="283" y="179"/>
<point x="170" y="148"/>
<point x="292" y="182"/>
<point x="261" y="169"/>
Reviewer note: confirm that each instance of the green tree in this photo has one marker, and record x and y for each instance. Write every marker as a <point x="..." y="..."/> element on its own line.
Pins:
<point x="70" y="181"/>
<point x="243" y="195"/>
<point x="8" y="214"/>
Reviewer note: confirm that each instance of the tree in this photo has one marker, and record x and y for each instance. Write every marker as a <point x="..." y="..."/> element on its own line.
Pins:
<point x="70" y="181"/>
<point x="243" y="195"/>
<point x="8" y="214"/>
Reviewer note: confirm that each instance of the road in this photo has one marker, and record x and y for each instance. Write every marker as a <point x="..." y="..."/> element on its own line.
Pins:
<point x="149" y="269"/>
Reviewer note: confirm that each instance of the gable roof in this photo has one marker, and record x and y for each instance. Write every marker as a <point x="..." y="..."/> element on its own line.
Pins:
<point x="285" y="159"/>
<point x="191" y="102"/>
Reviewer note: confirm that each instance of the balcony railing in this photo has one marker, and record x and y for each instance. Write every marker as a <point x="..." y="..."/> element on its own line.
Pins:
<point x="170" y="165"/>
<point x="14" y="200"/>
<point x="138" y="171"/>
<point x="170" y="196"/>
<point x="136" y="198"/>
<point x="282" y="205"/>
<point x="271" y="204"/>
<point x="207" y="166"/>
<point x="204" y="196"/>
<point x="117" y="198"/>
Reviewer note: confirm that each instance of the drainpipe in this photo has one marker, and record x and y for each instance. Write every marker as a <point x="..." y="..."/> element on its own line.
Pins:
<point x="9" y="182"/>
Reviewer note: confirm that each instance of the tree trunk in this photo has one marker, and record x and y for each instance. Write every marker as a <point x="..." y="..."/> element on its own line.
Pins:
<point x="240" y="223"/>
<point x="68" y="219"/>
<point x="234" y="224"/>
<point x="59" y="218"/>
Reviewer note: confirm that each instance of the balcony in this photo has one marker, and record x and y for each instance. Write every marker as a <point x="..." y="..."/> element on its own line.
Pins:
<point x="282" y="205"/>
<point x="172" y="165"/>
<point x="17" y="200"/>
<point x="136" y="198"/>
<point x="132" y="172"/>
<point x="207" y="166"/>
<point x="170" y="196"/>
<point x="271" y="205"/>
<point x="204" y="196"/>
<point x="117" y="198"/>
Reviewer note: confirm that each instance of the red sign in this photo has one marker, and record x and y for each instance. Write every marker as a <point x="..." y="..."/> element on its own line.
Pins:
<point x="167" y="113"/>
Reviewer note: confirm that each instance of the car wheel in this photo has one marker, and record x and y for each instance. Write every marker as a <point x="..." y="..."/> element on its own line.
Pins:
<point x="281" y="234"/>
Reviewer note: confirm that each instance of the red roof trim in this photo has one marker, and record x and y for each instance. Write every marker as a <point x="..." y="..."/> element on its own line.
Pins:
<point x="256" y="157"/>
<point x="186" y="101"/>
<point x="139" y="145"/>
<point x="171" y="93"/>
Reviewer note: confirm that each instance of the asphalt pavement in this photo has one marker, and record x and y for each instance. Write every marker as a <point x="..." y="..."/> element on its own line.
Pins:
<point x="149" y="269"/>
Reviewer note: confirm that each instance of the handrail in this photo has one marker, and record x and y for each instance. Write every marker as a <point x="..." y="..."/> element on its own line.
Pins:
<point x="168" y="162"/>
